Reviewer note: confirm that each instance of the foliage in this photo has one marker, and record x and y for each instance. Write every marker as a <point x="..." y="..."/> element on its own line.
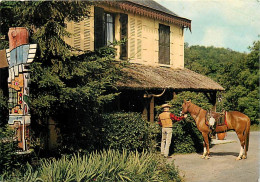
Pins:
<point x="110" y="165"/>
<point x="10" y="161"/>
<point x="6" y="21"/>
<point x="186" y="138"/>
<point x="3" y="109"/>
<point x="7" y="150"/>
<point x="237" y="72"/>
<point x="255" y="127"/>
<point x="128" y="131"/>
<point x="71" y="89"/>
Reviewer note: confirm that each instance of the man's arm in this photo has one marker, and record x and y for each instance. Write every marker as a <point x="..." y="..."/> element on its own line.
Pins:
<point x="176" y="118"/>
<point x="159" y="121"/>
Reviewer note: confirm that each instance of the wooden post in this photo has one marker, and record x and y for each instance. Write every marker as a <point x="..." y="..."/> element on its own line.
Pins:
<point x="214" y="101"/>
<point x="151" y="97"/>
<point x="212" y="97"/>
<point x="152" y="109"/>
<point x="145" y="105"/>
<point x="174" y="95"/>
<point x="145" y="113"/>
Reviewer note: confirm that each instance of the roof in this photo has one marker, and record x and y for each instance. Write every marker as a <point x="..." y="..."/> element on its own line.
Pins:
<point x="154" y="5"/>
<point x="144" y="77"/>
<point x="150" y="9"/>
<point x="3" y="59"/>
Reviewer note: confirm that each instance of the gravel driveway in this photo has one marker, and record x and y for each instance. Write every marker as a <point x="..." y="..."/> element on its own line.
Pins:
<point x="222" y="165"/>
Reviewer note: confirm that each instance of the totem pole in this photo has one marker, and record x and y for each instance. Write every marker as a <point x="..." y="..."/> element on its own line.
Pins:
<point x="19" y="55"/>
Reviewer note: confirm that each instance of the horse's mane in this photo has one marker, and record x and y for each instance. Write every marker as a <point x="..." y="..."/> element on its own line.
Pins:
<point x="194" y="107"/>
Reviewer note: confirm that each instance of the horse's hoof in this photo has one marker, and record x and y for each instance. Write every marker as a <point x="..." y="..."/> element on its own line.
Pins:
<point x="238" y="158"/>
<point x="244" y="157"/>
<point x="203" y="157"/>
<point x="207" y="157"/>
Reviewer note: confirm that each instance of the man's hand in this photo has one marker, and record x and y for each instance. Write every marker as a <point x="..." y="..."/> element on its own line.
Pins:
<point x="185" y="116"/>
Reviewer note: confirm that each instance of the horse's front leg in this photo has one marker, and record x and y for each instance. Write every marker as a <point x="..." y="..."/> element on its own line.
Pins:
<point x="206" y="146"/>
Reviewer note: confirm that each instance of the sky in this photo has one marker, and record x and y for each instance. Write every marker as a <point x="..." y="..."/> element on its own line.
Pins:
<point x="233" y="24"/>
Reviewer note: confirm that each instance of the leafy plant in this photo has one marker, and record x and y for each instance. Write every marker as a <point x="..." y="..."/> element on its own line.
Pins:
<point x="128" y="131"/>
<point x="7" y="150"/>
<point x="3" y="109"/>
<point x="107" y="165"/>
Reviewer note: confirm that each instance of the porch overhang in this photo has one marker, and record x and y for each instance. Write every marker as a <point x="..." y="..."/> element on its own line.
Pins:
<point x="145" y="77"/>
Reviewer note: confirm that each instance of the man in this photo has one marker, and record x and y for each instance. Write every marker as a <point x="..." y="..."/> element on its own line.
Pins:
<point x="166" y="119"/>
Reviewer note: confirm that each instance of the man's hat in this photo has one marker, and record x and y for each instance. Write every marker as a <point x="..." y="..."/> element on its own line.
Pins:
<point x="165" y="105"/>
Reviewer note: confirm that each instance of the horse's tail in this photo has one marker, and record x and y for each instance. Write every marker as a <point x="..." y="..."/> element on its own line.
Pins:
<point x="247" y="132"/>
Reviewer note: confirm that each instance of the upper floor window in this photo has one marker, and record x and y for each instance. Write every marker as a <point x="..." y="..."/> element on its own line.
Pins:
<point x="109" y="25"/>
<point x="104" y="27"/>
<point x="123" y="35"/>
<point x="164" y="44"/>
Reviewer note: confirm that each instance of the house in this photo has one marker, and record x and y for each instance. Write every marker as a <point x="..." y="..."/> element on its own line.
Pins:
<point x="154" y="46"/>
<point x="154" y="34"/>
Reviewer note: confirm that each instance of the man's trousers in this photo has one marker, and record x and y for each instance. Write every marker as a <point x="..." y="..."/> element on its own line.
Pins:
<point x="166" y="141"/>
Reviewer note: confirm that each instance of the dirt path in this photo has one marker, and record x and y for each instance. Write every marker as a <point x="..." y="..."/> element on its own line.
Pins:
<point x="222" y="165"/>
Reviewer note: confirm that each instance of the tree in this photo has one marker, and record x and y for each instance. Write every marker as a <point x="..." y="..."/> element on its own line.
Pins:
<point x="237" y="72"/>
<point x="67" y="87"/>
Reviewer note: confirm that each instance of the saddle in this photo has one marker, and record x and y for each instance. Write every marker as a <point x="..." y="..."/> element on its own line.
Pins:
<point x="219" y="124"/>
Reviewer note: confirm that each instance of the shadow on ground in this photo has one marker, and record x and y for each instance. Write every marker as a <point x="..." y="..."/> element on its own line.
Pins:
<point x="223" y="153"/>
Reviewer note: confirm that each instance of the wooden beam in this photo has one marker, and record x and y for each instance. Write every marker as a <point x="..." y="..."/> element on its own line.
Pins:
<point x="145" y="111"/>
<point x="174" y="95"/>
<point x="214" y="101"/>
<point x="212" y="97"/>
<point x="152" y="109"/>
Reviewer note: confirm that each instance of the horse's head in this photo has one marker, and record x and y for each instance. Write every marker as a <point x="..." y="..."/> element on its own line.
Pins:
<point x="185" y="106"/>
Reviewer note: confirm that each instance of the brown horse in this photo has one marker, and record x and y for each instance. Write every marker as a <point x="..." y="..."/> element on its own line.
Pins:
<point x="235" y="121"/>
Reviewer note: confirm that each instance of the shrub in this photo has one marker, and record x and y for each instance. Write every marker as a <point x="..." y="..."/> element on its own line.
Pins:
<point x="7" y="150"/>
<point x="111" y="165"/>
<point x="3" y="109"/>
<point x="128" y="131"/>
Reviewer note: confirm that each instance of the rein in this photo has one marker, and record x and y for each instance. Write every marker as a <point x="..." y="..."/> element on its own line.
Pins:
<point x="197" y="114"/>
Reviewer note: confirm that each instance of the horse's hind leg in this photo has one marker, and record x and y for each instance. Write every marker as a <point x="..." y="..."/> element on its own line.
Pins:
<point x="242" y="143"/>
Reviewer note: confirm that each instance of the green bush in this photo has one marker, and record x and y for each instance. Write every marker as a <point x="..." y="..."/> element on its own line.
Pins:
<point x="186" y="137"/>
<point x="111" y="165"/>
<point x="128" y="131"/>
<point x="7" y="150"/>
<point x="3" y="109"/>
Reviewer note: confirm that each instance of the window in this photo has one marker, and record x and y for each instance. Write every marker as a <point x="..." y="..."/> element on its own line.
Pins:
<point x="123" y="35"/>
<point x="109" y="28"/>
<point x="164" y="44"/>
<point x="104" y="27"/>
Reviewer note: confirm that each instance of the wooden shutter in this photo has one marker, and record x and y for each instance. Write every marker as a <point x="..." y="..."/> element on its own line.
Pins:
<point x="77" y="35"/>
<point x="164" y="44"/>
<point x="123" y="35"/>
<point x="99" y="40"/>
<point x="139" y="39"/>
<point x="132" y="38"/>
<point x="87" y="37"/>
